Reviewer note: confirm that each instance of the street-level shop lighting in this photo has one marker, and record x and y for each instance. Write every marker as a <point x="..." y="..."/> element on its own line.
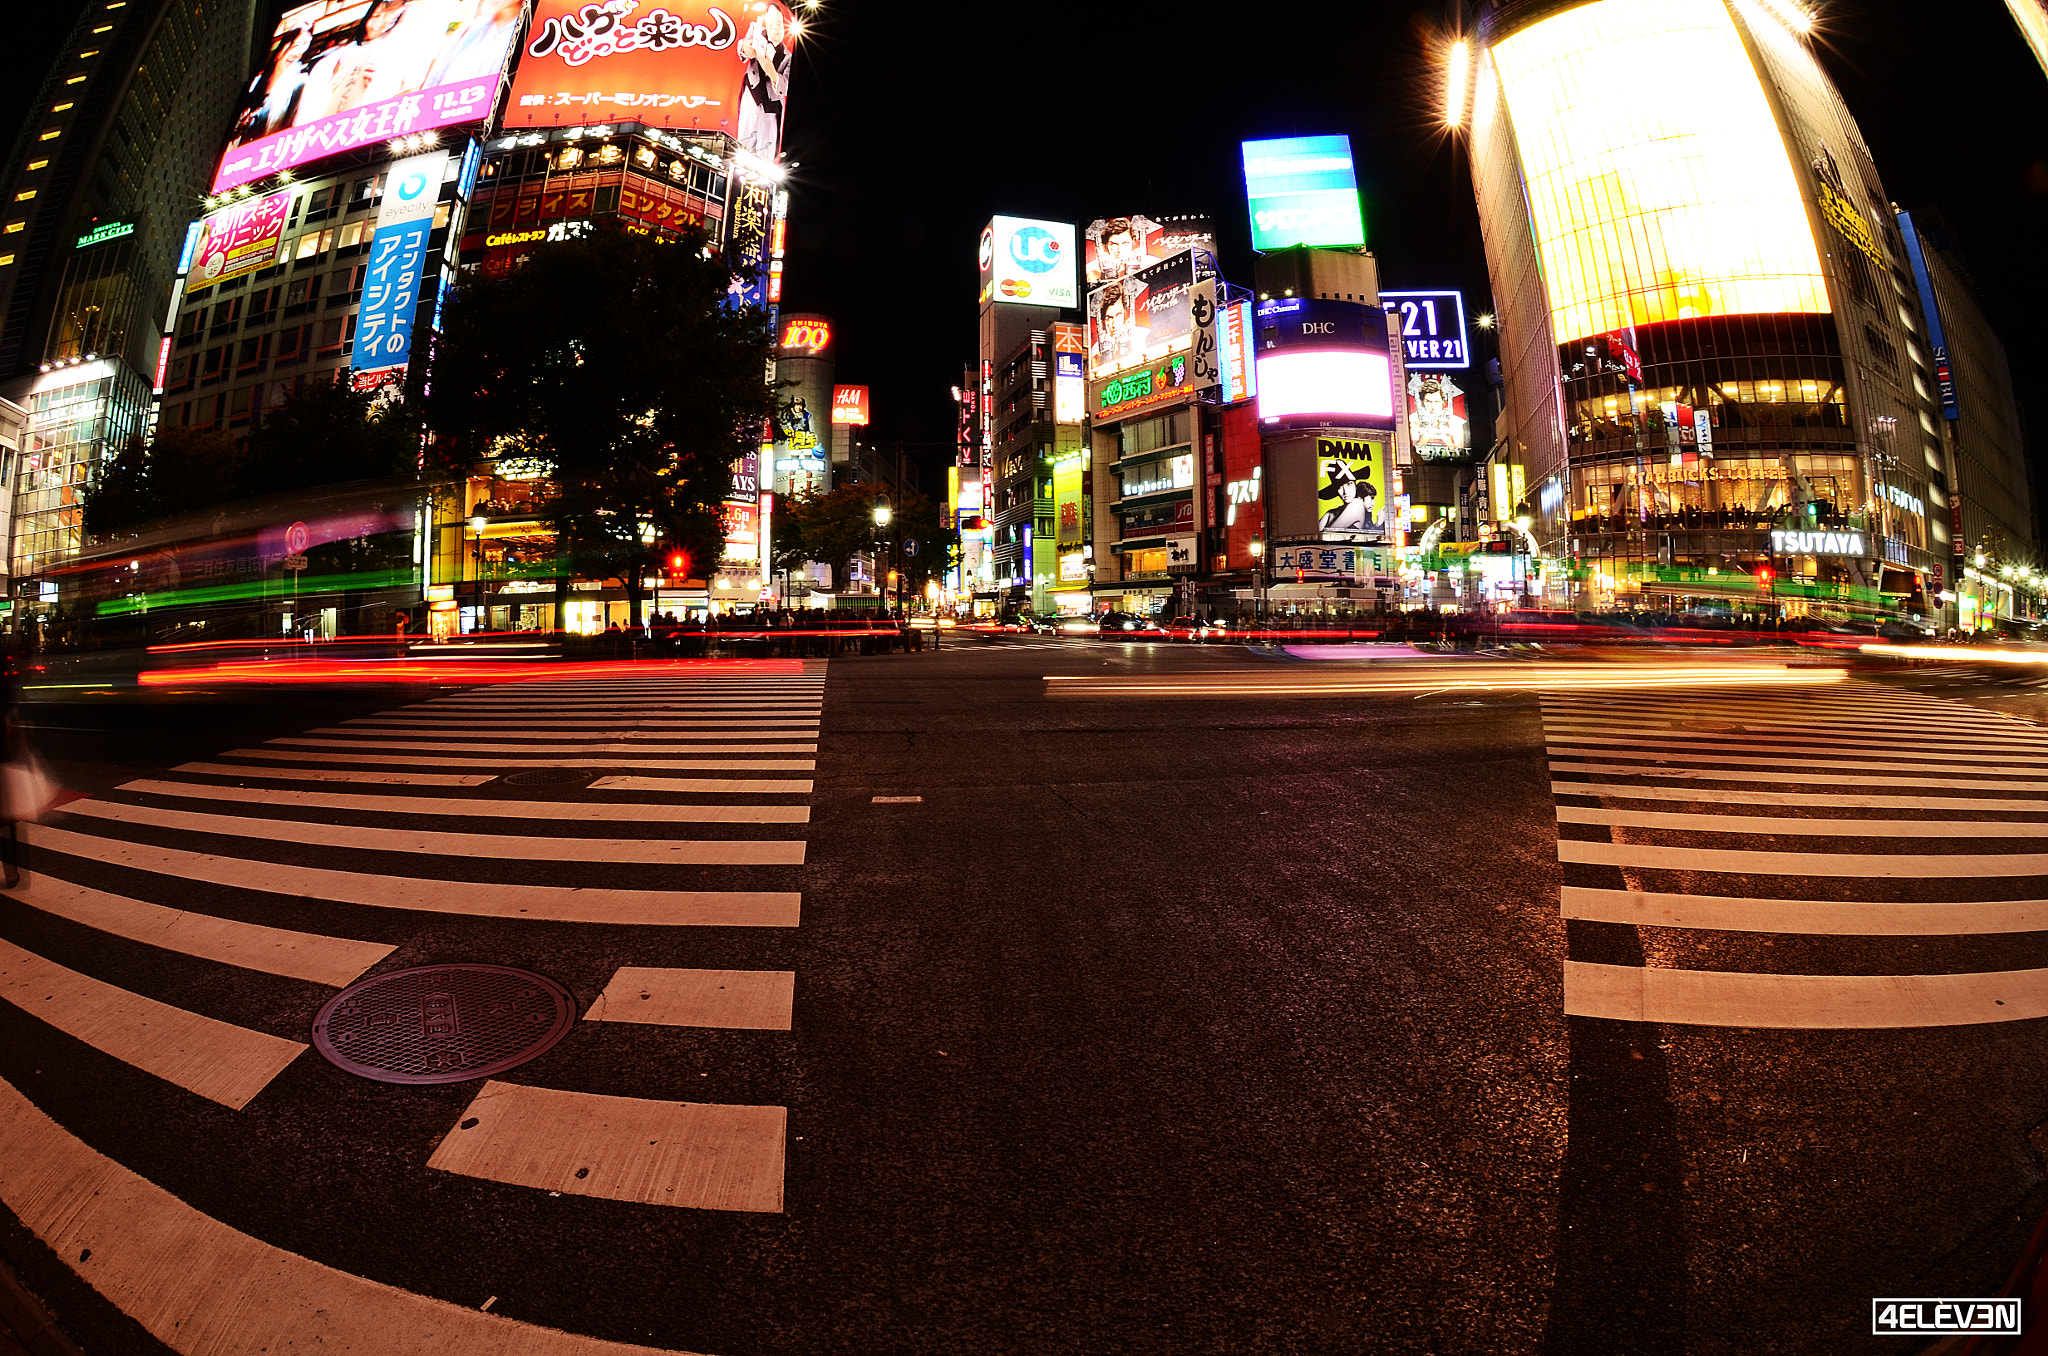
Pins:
<point x="1454" y="93"/>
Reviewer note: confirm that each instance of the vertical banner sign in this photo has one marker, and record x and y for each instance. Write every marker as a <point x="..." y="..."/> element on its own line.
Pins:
<point x="988" y="435"/>
<point x="1069" y="381"/>
<point x="1204" y="359"/>
<point x="747" y="243"/>
<point x="1235" y="360"/>
<point x="1066" y="491"/>
<point x="398" y="256"/>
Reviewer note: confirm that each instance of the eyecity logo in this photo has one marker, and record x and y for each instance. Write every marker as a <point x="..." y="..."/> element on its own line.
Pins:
<point x="1035" y="249"/>
<point x="412" y="187"/>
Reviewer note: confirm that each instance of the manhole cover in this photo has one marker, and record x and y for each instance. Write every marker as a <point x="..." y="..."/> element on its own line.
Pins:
<point x="548" y="776"/>
<point x="442" y="1023"/>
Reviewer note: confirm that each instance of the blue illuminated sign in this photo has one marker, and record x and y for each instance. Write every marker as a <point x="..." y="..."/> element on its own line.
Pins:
<point x="1302" y="191"/>
<point x="1432" y="329"/>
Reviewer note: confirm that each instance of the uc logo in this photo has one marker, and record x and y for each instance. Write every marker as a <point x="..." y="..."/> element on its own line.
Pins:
<point x="1035" y="249"/>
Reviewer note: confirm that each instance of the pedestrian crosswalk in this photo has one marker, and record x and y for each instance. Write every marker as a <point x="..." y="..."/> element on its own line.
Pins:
<point x="1727" y="821"/>
<point x="316" y="858"/>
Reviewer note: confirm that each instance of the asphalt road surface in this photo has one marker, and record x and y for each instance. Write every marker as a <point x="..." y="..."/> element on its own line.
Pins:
<point x="1043" y="996"/>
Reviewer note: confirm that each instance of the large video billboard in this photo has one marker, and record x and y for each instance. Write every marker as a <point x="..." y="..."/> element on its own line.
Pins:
<point x="683" y="63"/>
<point x="349" y="73"/>
<point x="1028" y="262"/>
<point x="1302" y="191"/>
<point x="1144" y="315"/>
<point x="1657" y="180"/>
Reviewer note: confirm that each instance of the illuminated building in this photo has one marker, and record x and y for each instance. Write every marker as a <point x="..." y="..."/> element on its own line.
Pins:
<point x="2032" y="17"/>
<point x="121" y="137"/>
<point x="1708" y="325"/>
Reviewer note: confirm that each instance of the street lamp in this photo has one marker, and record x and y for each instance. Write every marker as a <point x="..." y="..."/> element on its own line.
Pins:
<point x="1259" y="577"/>
<point x="882" y="517"/>
<point x="476" y="527"/>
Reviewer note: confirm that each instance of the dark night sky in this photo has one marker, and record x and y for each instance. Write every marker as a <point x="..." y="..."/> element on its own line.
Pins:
<point x="914" y="123"/>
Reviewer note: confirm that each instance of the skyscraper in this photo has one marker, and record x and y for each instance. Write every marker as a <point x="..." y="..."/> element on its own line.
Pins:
<point x="1716" y="372"/>
<point x="105" y="174"/>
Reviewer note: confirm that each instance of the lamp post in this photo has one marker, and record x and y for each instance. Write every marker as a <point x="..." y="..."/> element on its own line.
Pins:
<point x="1258" y="578"/>
<point x="476" y="528"/>
<point x="882" y="517"/>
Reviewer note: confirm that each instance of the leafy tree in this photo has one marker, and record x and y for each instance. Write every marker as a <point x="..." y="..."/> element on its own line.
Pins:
<point x="832" y="528"/>
<point x="184" y="470"/>
<point x="328" y="433"/>
<point x="615" y="359"/>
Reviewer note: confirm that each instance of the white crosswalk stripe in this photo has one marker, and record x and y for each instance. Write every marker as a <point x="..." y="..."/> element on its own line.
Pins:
<point x="1710" y="815"/>
<point x="409" y="821"/>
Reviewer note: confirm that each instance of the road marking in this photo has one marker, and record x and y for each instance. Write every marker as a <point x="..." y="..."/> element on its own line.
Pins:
<point x="591" y="761"/>
<point x="897" y="800"/>
<point x="1826" y="779"/>
<point x="206" y="1289"/>
<point x="739" y="1000"/>
<point x="545" y="903"/>
<point x="1883" y="866"/>
<point x="1830" y="828"/>
<point x="479" y="808"/>
<point x="219" y="1061"/>
<point x="334" y="961"/>
<point x="1816" y="917"/>
<point x="1783" y="760"/>
<point x="1715" y="998"/>
<point x="701" y="786"/>
<point x="707" y="1157"/>
<point x="503" y="847"/>
<point x="496" y="747"/>
<point x="481" y="729"/>
<point x="1758" y="717"/>
<point x="1714" y="796"/>
<point x="1575" y="733"/>
<point x="1711" y="751"/>
<point x="316" y="775"/>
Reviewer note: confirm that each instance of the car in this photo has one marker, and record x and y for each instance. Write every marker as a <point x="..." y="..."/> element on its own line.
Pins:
<point x="1196" y="629"/>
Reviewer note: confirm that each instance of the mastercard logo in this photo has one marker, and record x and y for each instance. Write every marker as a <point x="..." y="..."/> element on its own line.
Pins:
<point x="1016" y="287"/>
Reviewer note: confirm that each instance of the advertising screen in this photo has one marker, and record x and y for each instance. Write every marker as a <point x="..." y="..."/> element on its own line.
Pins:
<point x="348" y="73"/>
<point x="239" y="239"/>
<point x="1437" y="428"/>
<point x="1302" y="191"/>
<point x="1432" y="328"/>
<point x="1067" y="475"/>
<point x="1333" y="385"/>
<point x="1235" y="331"/>
<point x="1117" y="246"/>
<point x="749" y="230"/>
<point x="742" y="531"/>
<point x="686" y="63"/>
<point x="1029" y="263"/>
<point x="398" y="260"/>
<point x="1654" y="198"/>
<point x="849" y="404"/>
<point x="1351" y="486"/>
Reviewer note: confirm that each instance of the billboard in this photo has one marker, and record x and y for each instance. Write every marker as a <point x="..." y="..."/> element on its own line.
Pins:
<point x="1028" y="262"/>
<point x="741" y="524"/>
<point x="1146" y="314"/>
<point x="849" y="404"/>
<point x="1432" y="329"/>
<point x="749" y="229"/>
<point x="398" y="260"/>
<point x="683" y="63"/>
<point x="1302" y="191"/>
<point x="239" y="239"/>
<point x="344" y="74"/>
<point x="1117" y="246"/>
<point x="1437" y="427"/>
<point x="1653" y="198"/>
<point x="804" y="336"/>
<point x="1352" y="483"/>
<point x="1331" y="385"/>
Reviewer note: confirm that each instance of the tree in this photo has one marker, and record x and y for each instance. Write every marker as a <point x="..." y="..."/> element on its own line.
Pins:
<point x="832" y="528"/>
<point x="184" y="470"/>
<point x="616" y="360"/>
<point x="328" y="433"/>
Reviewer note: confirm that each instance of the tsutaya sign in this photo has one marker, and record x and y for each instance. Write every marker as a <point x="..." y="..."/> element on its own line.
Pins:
<point x="1817" y="543"/>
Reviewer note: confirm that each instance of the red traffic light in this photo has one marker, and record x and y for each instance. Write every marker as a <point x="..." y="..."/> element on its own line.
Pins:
<point x="678" y="562"/>
<point x="1763" y="574"/>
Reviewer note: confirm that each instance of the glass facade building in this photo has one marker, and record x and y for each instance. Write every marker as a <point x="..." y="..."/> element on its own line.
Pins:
<point x="1707" y="318"/>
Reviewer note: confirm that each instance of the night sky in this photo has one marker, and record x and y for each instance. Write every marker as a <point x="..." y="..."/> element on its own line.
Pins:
<point x="912" y="124"/>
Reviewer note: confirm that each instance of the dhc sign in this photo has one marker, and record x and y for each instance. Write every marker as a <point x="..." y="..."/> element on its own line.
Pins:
<point x="1817" y="543"/>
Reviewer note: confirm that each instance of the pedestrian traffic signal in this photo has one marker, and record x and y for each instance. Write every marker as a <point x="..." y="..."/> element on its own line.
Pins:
<point x="1763" y="574"/>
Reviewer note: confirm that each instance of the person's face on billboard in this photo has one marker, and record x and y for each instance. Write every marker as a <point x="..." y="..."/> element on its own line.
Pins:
<point x="1116" y="318"/>
<point x="382" y="18"/>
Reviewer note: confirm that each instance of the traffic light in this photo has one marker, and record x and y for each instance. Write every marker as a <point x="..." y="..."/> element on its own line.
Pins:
<point x="676" y="565"/>
<point x="1763" y="576"/>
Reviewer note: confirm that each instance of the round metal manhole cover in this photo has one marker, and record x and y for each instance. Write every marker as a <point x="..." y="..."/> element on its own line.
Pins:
<point x="548" y="776"/>
<point x="443" y="1023"/>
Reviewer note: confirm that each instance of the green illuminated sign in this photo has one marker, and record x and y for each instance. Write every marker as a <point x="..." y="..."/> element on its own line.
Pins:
<point x="105" y="231"/>
<point x="1129" y="386"/>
